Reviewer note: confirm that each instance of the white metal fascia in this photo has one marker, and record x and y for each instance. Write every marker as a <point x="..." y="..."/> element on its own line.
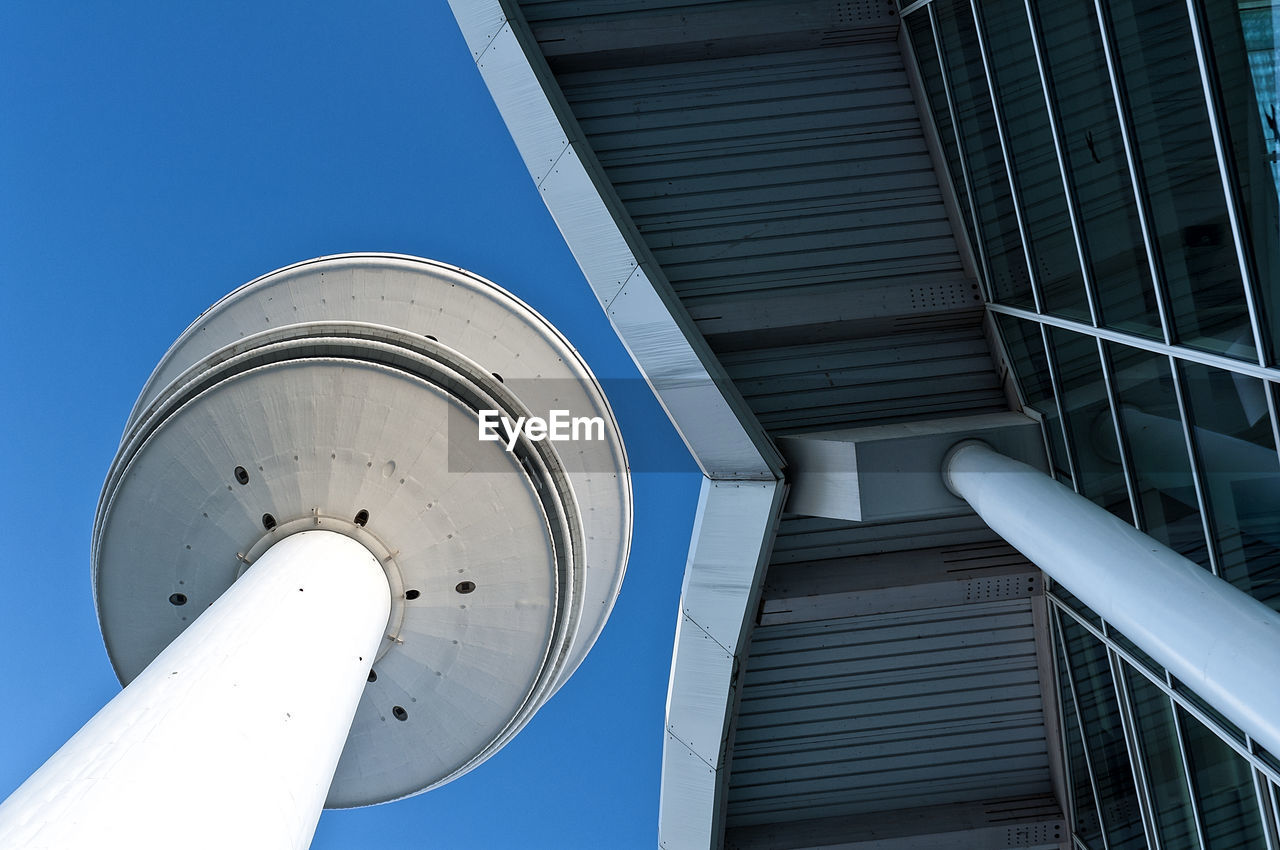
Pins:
<point x="732" y="538"/>
<point x="699" y="397"/>
<point x="742" y="493"/>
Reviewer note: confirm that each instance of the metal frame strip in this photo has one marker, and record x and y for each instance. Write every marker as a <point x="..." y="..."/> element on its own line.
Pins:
<point x="1133" y="745"/>
<point x="1218" y="361"/>
<point x="1135" y="171"/>
<point x="1059" y="149"/>
<point x="1181" y="738"/>
<point x="984" y="266"/>
<point x="1193" y="458"/>
<point x="1226" y="173"/>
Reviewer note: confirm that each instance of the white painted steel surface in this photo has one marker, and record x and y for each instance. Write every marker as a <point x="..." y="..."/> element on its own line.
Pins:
<point x="342" y="394"/>
<point x="230" y="737"/>
<point x="1216" y="639"/>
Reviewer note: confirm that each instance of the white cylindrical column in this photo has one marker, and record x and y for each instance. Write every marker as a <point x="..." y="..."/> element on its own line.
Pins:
<point x="1221" y="642"/>
<point x="230" y="737"/>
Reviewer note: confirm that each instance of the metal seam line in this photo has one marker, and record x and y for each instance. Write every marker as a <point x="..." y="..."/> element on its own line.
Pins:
<point x="1264" y="808"/>
<point x="1206" y="358"/>
<point x="1084" y="745"/>
<point x="1015" y="196"/>
<point x="1067" y="442"/>
<point x="1055" y="130"/>
<point x="946" y="180"/>
<point x="1135" y="173"/>
<point x="506" y="25"/>
<point x="1225" y="175"/>
<point x="1133" y="743"/>
<point x="1181" y="738"/>
<point x="1193" y="461"/>
<point x="983" y="266"/>
<point x="1122" y="445"/>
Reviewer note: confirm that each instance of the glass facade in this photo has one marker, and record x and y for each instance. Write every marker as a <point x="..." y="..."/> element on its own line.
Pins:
<point x="1116" y="166"/>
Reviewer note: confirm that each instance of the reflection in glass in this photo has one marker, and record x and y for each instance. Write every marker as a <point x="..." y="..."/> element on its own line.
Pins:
<point x="1161" y="81"/>
<point x="1231" y="431"/>
<point x="1162" y="759"/>
<point x="997" y="221"/>
<point x="1020" y="100"/>
<point x="1096" y="166"/>
<point x="1025" y="347"/>
<point x="1089" y="424"/>
<point x="1152" y="429"/>
<point x="1224" y="790"/>
<point x="1243" y="37"/>
<point x="1086" y="825"/>
<point x="926" y="52"/>
<point x="1104" y="737"/>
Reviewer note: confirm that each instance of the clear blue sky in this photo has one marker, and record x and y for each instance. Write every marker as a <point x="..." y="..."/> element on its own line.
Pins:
<point x="151" y="160"/>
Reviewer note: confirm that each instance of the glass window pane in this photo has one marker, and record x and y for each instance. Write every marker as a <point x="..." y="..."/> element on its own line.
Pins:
<point x="1066" y="597"/>
<point x="926" y="52"/>
<point x="1153" y="433"/>
<point x="1223" y="788"/>
<point x="1241" y="475"/>
<point x="1090" y="429"/>
<point x="1161" y="80"/>
<point x="980" y="145"/>
<point x="1162" y="759"/>
<point x="1020" y="99"/>
<point x="1096" y="166"/>
<point x="1085" y="821"/>
<point x="1243" y="34"/>
<point x="1025" y="347"/>
<point x="1104" y="737"/>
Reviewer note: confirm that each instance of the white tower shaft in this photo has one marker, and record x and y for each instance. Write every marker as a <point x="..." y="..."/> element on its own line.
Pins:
<point x="231" y="736"/>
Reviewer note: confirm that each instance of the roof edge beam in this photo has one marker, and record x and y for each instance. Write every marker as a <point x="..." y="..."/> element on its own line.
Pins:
<point x="719" y="428"/>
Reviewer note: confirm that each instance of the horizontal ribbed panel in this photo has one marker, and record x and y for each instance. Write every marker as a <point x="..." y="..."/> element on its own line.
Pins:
<point x="887" y="711"/>
<point x="760" y="173"/>
<point x="913" y="375"/>
<point x="804" y="540"/>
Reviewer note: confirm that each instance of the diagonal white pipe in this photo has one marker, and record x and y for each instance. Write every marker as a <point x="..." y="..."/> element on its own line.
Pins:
<point x="1218" y="640"/>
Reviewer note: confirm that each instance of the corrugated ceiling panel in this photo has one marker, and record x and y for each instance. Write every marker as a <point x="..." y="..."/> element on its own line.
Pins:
<point x="767" y="172"/>
<point x="812" y="539"/>
<point x="912" y="375"/>
<point x="889" y="711"/>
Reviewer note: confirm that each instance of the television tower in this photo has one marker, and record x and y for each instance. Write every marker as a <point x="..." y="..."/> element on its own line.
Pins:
<point x="320" y="582"/>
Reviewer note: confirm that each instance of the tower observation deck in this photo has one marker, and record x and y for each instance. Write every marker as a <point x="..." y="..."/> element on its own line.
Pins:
<point x="320" y="580"/>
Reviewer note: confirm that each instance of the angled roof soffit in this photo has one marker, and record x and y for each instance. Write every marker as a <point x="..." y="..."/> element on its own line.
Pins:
<point x="699" y="397"/>
<point x="742" y="492"/>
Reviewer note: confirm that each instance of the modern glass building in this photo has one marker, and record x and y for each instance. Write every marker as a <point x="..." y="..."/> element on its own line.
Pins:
<point x="812" y="220"/>
<point x="1115" y="168"/>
